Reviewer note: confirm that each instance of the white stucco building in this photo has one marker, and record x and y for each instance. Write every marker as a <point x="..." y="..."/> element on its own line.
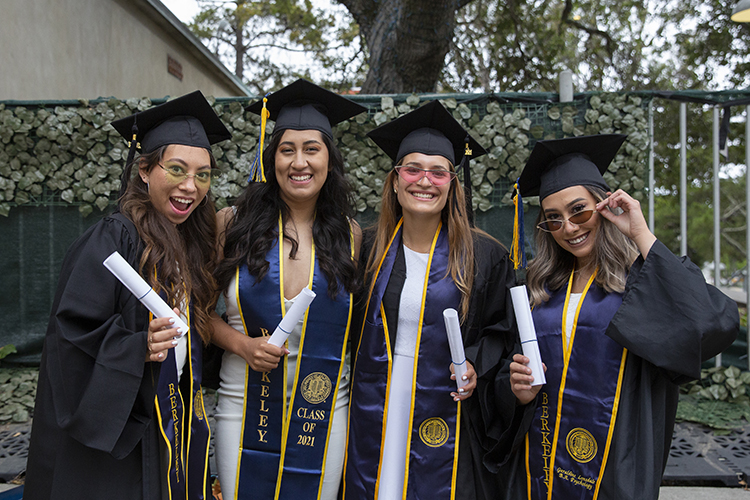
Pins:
<point x="71" y="49"/>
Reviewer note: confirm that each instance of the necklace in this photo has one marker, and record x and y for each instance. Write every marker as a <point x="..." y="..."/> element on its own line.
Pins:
<point x="587" y="266"/>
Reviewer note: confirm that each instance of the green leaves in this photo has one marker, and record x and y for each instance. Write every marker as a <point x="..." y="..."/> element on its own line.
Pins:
<point x="719" y="400"/>
<point x="72" y="155"/>
<point x="7" y="349"/>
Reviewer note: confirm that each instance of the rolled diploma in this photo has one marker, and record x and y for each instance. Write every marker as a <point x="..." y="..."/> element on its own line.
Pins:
<point x="138" y="286"/>
<point x="456" y="343"/>
<point x="292" y="317"/>
<point x="527" y="332"/>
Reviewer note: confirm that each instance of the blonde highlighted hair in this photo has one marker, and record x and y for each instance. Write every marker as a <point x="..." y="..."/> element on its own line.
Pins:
<point x="550" y="269"/>
<point x="460" y="241"/>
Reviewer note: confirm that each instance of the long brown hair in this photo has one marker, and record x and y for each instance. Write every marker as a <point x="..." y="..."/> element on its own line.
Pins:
<point x="183" y="255"/>
<point x="550" y="269"/>
<point x="460" y="239"/>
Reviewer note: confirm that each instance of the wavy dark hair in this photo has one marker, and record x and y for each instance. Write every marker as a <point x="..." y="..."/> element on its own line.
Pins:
<point x="184" y="254"/>
<point x="253" y="229"/>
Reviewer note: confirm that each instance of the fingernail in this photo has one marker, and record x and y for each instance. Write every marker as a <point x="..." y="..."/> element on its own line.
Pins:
<point x="160" y="355"/>
<point x="174" y="342"/>
<point x="464" y="378"/>
<point x="461" y="390"/>
<point x="171" y="321"/>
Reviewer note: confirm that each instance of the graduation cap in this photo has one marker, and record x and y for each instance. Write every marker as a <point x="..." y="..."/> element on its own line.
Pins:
<point x="300" y="106"/>
<point x="575" y="161"/>
<point x="188" y="120"/>
<point x="558" y="164"/>
<point x="430" y="130"/>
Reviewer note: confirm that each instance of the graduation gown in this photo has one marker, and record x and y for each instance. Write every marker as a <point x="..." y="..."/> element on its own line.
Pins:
<point x="490" y="339"/>
<point x="95" y="434"/>
<point x="669" y="321"/>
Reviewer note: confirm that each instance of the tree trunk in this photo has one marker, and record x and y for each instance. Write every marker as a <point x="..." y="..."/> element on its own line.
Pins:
<point x="239" y="47"/>
<point x="407" y="41"/>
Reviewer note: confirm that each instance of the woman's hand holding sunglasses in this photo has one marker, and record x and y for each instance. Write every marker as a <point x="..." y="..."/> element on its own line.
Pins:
<point x="628" y="219"/>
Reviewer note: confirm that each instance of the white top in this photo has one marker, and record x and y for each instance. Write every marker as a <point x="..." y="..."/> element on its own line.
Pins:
<point x="400" y="392"/>
<point x="411" y="302"/>
<point x="570" y="315"/>
<point x="230" y="406"/>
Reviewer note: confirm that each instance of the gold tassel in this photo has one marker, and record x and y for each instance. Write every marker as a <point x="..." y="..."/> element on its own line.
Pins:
<point x="264" y="114"/>
<point x="515" y="252"/>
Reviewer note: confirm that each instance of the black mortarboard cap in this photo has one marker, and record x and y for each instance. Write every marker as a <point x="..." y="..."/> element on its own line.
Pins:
<point x="430" y="130"/>
<point x="188" y="120"/>
<point x="305" y="106"/>
<point x="574" y="161"/>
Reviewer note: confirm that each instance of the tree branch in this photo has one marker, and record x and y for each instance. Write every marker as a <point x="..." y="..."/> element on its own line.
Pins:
<point x="733" y="242"/>
<point x="565" y="18"/>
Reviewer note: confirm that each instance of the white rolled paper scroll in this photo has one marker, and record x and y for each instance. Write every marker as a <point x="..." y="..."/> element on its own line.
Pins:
<point x="138" y="286"/>
<point x="456" y="343"/>
<point x="527" y="332"/>
<point x="292" y="317"/>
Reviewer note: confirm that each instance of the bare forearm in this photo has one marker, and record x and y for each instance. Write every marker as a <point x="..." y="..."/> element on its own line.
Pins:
<point x="225" y="336"/>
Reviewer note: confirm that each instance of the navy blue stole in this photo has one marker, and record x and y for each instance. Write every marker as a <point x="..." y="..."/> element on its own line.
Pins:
<point x="569" y="439"/>
<point x="283" y="450"/>
<point x="432" y="450"/>
<point x="187" y="453"/>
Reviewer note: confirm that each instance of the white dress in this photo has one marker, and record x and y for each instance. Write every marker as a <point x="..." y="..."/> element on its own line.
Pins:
<point x="229" y="409"/>
<point x="391" y="478"/>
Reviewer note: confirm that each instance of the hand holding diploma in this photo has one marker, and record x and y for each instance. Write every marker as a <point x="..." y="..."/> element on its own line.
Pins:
<point x="263" y="354"/>
<point x="456" y="343"/>
<point x="138" y="286"/>
<point x="161" y="336"/>
<point x="527" y="332"/>
<point x="527" y="370"/>
<point x="463" y="372"/>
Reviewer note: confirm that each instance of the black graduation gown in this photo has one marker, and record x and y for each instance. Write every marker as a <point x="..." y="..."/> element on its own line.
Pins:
<point x="670" y="321"/>
<point x="490" y="339"/>
<point x="93" y="434"/>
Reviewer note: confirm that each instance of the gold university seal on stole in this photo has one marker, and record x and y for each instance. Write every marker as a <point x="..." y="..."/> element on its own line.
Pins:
<point x="198" y="404"/>
<point x="433" y="432"/>
<point x="581" y="445"/>
<point x="316" y="387"/>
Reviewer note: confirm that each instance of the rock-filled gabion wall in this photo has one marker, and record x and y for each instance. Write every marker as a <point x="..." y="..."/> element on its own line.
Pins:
<point x="70" y="154"/>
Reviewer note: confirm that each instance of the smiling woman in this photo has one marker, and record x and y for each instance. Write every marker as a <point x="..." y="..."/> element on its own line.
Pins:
<point x="290" y="232"/>
<point x="411" y="433"/>
<point x="301" y="165"/>
<point x="182" y="180"/>
<point x="620" y="323"/>
<point x="120" y="391"/>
